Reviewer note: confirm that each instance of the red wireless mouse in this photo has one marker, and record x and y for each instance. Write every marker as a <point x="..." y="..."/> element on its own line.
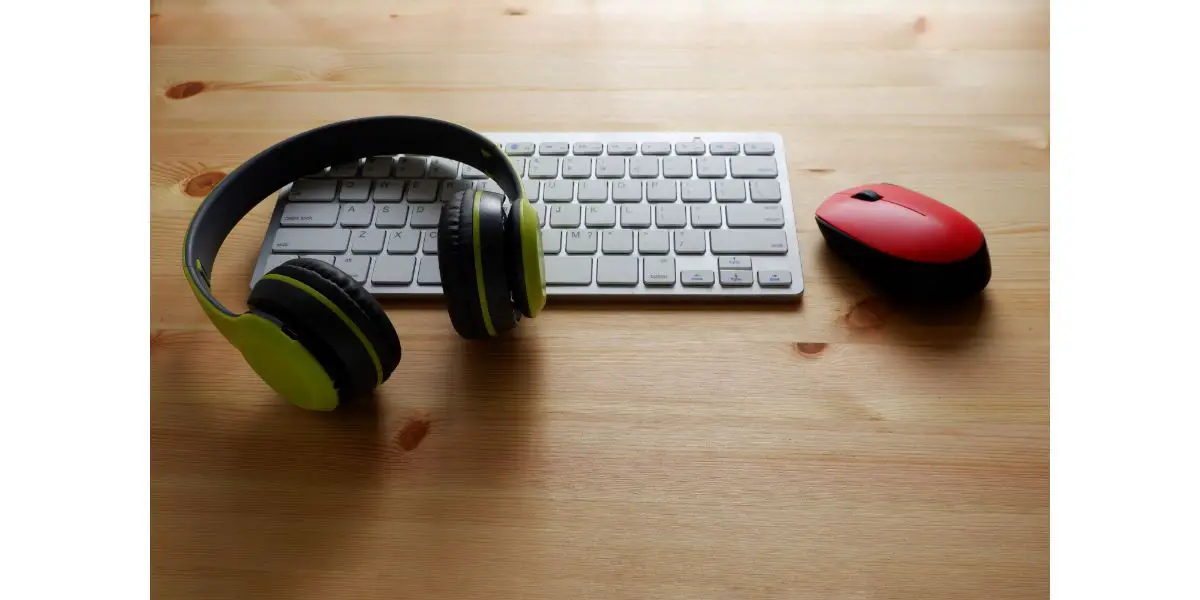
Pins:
<point x="907" y="244"/>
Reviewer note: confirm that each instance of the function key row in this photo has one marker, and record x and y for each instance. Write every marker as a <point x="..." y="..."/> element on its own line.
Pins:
<point x="692" y="148"/>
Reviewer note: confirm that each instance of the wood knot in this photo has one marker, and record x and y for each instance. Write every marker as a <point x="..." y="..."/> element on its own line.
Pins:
<point x="515" y="11"/>
<point x="186" y="89"/>
<point x="412" y="433"/>
<point x="200" y="185"/>
<point x="809" y="349"/>
<point x="393" y="16"/>
<point x="871" y="313"/>
<point x="921" y="25"/>
<point x="821" y="170"/>
<point x="156" y="338"/>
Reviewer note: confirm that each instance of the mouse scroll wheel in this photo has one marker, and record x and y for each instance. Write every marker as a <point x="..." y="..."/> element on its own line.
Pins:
<point x="868" y="195"/>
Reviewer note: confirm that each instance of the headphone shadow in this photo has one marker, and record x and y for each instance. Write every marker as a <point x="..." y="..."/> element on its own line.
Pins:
<point x="270" y="501"/>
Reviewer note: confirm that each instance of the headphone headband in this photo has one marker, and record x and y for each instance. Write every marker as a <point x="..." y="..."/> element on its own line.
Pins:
<point x="306" y="153"/>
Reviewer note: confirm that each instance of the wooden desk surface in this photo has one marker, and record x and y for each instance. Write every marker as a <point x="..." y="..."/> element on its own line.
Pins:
<point x="839" y="450"/>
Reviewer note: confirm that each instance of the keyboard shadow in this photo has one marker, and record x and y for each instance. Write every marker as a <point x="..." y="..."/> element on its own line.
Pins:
<point x="630" y="303"/>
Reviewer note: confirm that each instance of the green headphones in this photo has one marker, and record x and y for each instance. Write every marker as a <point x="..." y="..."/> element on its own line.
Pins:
<point x="313" y="333"/>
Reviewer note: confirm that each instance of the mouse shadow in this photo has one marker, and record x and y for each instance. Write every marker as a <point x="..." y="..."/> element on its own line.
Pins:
<point x="262" y="504"/>
<point x="937" y="326"/>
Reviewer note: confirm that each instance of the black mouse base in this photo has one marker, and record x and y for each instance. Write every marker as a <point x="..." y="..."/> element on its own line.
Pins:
<point x="908" y="281"/>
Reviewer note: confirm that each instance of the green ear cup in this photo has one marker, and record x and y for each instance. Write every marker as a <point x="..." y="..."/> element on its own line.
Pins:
<point x="526" y="265"/>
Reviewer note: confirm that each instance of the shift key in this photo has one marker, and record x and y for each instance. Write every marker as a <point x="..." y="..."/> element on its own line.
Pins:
<point x="747" y="241"/>
<point x="321" y="241"/>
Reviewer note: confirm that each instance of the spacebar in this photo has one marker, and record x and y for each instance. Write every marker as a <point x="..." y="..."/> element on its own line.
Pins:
<point x="568" y="270"/>
<point x="747" y="241"/>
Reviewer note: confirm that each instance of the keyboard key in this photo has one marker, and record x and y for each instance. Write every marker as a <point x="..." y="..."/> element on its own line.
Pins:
<point x="610" y="167"/>
<point x="357" y="215"/>
<point x="695" y="190"/>
<point x="565" y="216"/>
<point x="661" y="190"/>
<point x="393" y="270"/>
<point x="587" y="148"/>
<point x="627" y="191"/>
<point x="670" y="216"/>
<point x="723" y="148"/>
<point x="469" y="172"/>
<point x="643" y="167"/>
<point x="442" y="168"/>
<point x="553" y="148"/>
<point x="313" y="190"/>
<point x="658" y="271"/>
<point x="391" y="215"/>
<point x="347" y="169"/>
<point x="275" y="260"/>
<point x="760" y="148"/>
<point x="403" y="241"/>
<point x="518" y="165"/>
<point x="775" y="278"/>
<point x="592" y="190"/>
<point x="551" y="241"/>
<point x="677" y="167"/>
<point x="753" y="167"/>
<point x="542" y="167"/>
<point x="710" y="167"/>
<point x="306" y="214"/>
<point x="689" y="148"/>
<point x="519" y="148"/>
<point x="581" y="241"/>
<point x="425" y="215"/>
<point x="355" y="190"/>
<point x="378" y="166"/>
<point x="429" y="246"/>
<point x="696" y="278"/>
<point x="689" y="241"/>
<point x="653" y="241"/>
<point x="422" y="190"/>
<point x="602" y="215"/>
<point x="748" y="241"/>
<point x="449" y="187"/>
<point x="656" y="148"/>
<point x="367" y="241"/>
<point x="705" y="215"/>
<point x="635" y="215"/>
<point x="558" y="190"/>
<point x="568" y="270"/>
<point x="622" y="148"/>
<point x="354" y="266"/>
<point x="736" y="279"/>
<point x="325" y="258"/>
<point x="617" y="270"/>
<point x="764" y="191"/>
<point x="617" y="241"/>
<point x="734" y="262"/>
<point x="751" y="215"/>
<point x="388" y="190"/>
<point x="730" y="190"/>
<point x="532" y="189"/>
<point x="428" y="273"/>
<point x="577" y="167"/>
<point x="410" y="167"/>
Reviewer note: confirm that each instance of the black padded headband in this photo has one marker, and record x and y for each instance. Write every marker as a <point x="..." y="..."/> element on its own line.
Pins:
<point x="310" y="151"/>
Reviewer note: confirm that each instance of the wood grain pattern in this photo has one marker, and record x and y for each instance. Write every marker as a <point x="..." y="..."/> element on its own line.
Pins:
<point x="841" y="449"/>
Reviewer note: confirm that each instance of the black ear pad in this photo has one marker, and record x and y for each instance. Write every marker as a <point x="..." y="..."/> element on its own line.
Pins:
<point x="515" y="266"/>
<point x="316" y="324"/>
<point x="460" y="271"/>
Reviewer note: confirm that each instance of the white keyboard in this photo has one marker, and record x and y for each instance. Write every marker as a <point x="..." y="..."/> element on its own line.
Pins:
<point x="626" y="214"/>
